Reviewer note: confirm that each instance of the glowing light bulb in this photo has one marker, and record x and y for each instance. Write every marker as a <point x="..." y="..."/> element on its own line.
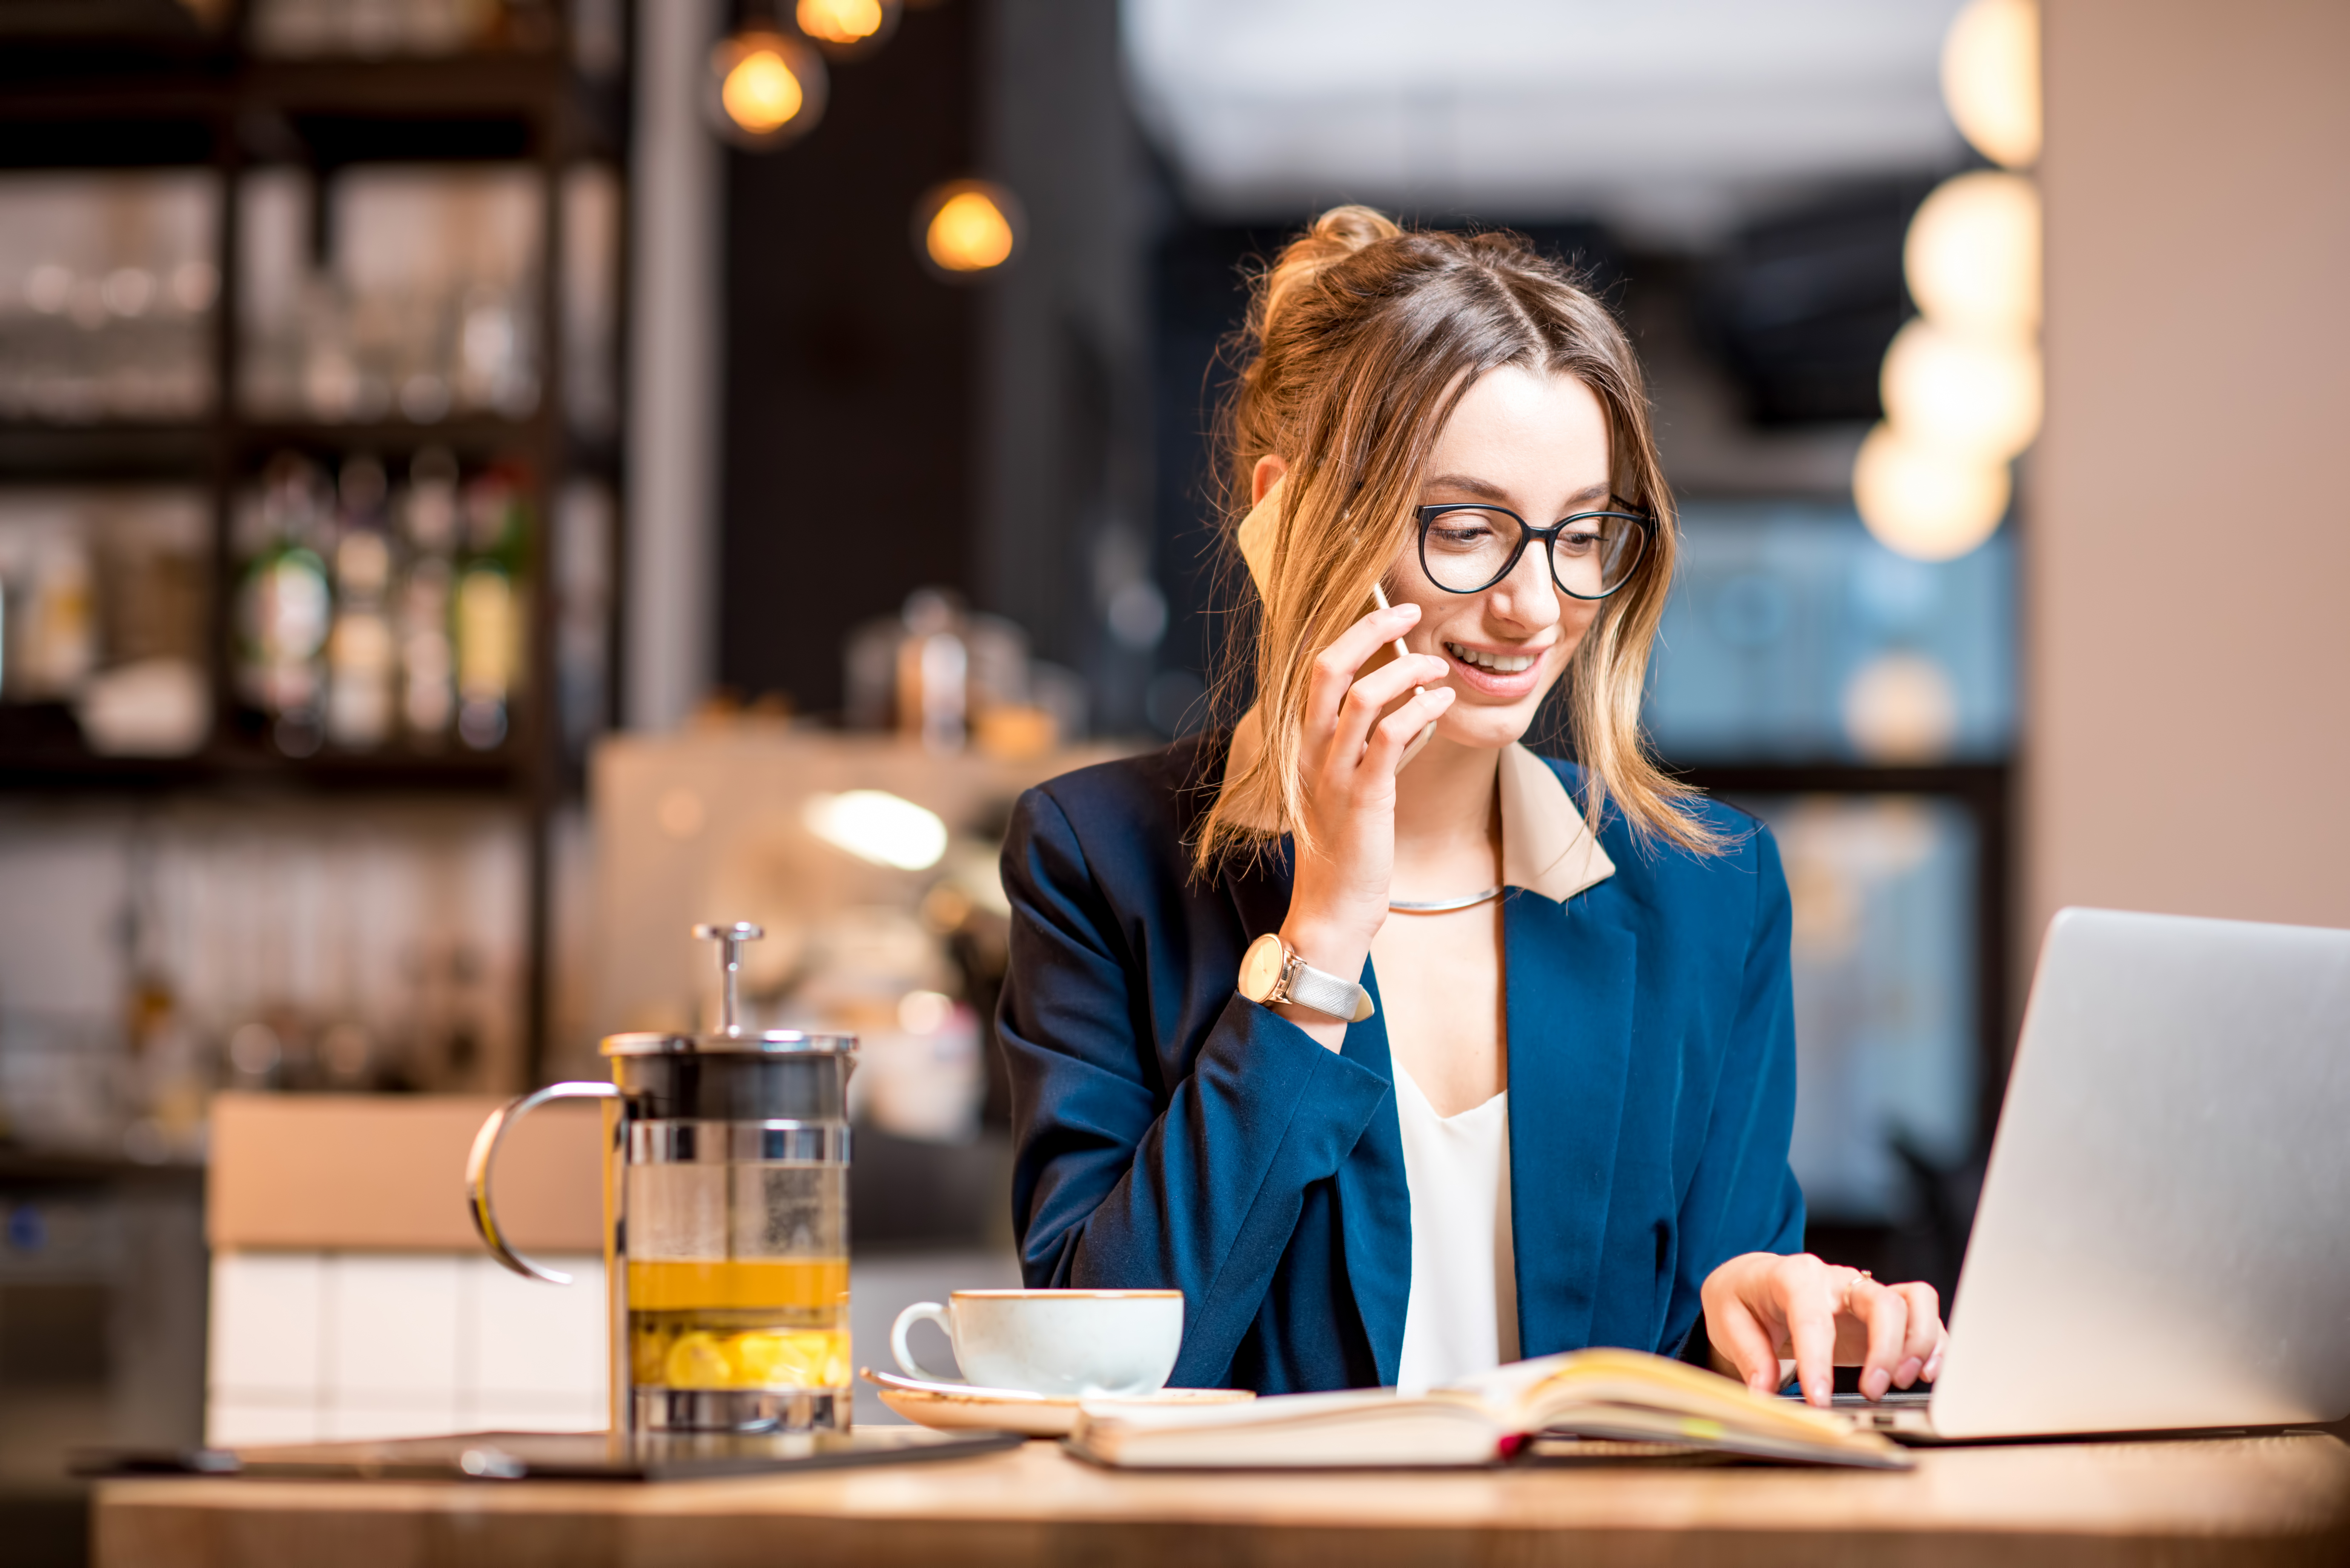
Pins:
<point x="1929" y="502"/>
<point x="1991" y="79"/>
<point x="761" y="93"/>
<point x="846" y="27"/>
<point x="1979" y="395"/>
<point x="969" y="227"/>
<point x="1973" y="256"/>
<point x="766" y="90"/>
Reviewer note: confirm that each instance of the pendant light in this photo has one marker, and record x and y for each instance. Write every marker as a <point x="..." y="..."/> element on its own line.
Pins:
<point x="765" y="89"/>
<point x="967" y="228"/>
<point x="846" y="29"/>
<point x="1962" y="383"/>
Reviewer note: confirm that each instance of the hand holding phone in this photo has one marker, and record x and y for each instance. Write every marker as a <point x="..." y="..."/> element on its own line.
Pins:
<point x="1257" y="531"/>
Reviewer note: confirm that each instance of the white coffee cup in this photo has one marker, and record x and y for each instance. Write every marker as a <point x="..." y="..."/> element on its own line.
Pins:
<point x="1053" y="1341"/>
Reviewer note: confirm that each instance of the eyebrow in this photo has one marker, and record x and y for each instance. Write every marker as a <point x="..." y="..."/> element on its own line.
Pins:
<point x="1488" y="491"/>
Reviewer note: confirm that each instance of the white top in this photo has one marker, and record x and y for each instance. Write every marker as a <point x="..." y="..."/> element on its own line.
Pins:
<point x="1462" y="1314"/>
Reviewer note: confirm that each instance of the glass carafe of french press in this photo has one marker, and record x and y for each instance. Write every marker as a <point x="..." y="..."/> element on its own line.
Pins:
<point x="726" y="1220"/>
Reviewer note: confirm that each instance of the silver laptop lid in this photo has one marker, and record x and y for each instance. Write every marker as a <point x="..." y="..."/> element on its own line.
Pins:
<point x="2164" y="1235"/>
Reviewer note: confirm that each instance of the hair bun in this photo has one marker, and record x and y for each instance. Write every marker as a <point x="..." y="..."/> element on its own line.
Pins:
<point x="1330" y="239"/>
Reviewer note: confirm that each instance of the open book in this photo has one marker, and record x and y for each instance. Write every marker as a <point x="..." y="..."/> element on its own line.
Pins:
<point x="1620" y="1394"/>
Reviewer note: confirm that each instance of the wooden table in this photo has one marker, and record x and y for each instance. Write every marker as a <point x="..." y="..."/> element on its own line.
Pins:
<point x="2267" y="1500"/>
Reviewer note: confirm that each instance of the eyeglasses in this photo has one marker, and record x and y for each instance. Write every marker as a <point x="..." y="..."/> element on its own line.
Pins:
<point x="1465" y="547"/>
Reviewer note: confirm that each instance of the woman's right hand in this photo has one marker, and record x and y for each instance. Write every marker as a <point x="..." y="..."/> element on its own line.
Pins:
<point x="1338" y="898"/>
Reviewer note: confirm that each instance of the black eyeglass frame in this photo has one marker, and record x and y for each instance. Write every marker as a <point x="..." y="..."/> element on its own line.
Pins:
<point x="1528" y="533"/>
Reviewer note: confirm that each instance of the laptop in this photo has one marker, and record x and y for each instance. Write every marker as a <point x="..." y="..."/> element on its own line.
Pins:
<point x="2163" y="1241"/>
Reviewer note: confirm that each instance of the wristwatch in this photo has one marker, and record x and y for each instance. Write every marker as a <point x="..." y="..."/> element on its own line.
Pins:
<point x="1271" y="973"/>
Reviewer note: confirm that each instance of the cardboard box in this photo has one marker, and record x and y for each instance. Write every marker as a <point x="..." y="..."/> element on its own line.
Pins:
<point x="387" y="1173"/>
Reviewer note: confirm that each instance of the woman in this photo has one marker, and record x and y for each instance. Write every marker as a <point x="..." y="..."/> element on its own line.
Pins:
<point x="1401" y="1051"/>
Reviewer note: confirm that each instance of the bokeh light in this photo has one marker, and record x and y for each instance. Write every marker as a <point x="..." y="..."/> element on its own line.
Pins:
<point x="1991" y="79"/>
<point x="967" y="227"/>
<point x="1929" y="502"/>
<point x="1979" y="394"/>
<point x="1973" y="257"/>
<point x="1901" y="707"/>
<point x="875" y="826"/>
<point x="767" y="90"/>
<point x="846" y="27"/>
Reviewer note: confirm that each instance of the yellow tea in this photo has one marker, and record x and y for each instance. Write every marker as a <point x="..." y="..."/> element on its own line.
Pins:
<point x="749" y="1323"/>
<point x="790" y="1285"/>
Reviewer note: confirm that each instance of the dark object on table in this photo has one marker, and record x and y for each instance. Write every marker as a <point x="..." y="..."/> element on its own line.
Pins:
<point x="555" y="1455"/>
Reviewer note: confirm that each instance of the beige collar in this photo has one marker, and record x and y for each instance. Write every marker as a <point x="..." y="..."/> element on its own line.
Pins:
<point x="1546" y="846"/>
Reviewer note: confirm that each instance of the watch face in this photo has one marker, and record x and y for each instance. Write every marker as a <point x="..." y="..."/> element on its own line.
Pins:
<point x="1261" y="967"/>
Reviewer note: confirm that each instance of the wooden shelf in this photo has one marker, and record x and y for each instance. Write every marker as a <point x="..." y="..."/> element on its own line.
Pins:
<point x="47" y="1166"/>
<point x="57" y="771"/>
<point x="31" y="452"/>
<point x="485" y="435"/>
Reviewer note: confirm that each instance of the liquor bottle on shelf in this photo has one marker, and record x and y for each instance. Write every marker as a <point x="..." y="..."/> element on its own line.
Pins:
<point x="428" y="666"/>
<point x="489" y="610"/>
<point x="359" y="653"/>
<point x="49" y="627"/>
<point x="284" y="605"/>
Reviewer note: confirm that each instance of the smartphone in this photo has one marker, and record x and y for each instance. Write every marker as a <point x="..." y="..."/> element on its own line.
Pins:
<point x="1256" y="538"/>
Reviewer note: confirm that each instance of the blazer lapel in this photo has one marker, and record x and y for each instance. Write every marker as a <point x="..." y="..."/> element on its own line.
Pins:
<point x="1375" y="1202"/>
<point x="1569" y="974"/>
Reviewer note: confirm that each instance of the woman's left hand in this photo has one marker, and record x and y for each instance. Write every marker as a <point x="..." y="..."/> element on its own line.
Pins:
<point x="1759" y="1304"/>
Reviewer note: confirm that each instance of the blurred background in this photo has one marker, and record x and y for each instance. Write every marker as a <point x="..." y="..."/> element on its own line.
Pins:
<point x="486" y="483"/>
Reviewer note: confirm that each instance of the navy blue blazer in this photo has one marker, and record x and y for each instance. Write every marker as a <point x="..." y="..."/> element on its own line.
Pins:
<point x="1171" y="1134"/>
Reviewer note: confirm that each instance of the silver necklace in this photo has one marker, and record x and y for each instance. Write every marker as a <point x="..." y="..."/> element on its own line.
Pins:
<point x="1442" y="905"/>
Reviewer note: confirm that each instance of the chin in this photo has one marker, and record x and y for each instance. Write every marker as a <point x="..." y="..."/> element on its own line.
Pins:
<point x="1488" y="728"/>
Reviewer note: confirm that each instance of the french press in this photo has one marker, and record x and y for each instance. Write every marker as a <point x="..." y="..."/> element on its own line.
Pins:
<point x="726" y="1220"/>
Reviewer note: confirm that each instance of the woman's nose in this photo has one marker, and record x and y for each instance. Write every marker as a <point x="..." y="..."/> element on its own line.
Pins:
<point x="1526" y="597"/>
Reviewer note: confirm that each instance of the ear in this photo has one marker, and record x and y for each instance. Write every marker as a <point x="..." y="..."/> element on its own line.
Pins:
<point x="1257" y="532"/>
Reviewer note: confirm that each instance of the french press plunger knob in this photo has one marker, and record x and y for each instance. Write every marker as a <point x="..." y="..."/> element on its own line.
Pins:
<point x="730" y="939"/>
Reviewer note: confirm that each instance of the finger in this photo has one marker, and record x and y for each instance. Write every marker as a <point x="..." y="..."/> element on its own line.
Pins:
<point x="1925" y="1331"/>
<point x="1334" y="666"/>
<point x="1934" y="1361"/>
<point x="1395" y="732"/>
<point x="1810" y="1297"/>
<point x="1370" y="694"/>
<point x="1752" y="1348"/>
<point x="1887" y="1313"/>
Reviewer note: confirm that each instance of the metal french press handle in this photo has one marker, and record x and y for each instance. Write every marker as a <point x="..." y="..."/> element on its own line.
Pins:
<point x="486" y="1152"/>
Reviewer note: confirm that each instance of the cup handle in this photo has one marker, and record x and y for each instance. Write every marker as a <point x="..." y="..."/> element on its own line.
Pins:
<point x="921" y="1311"/>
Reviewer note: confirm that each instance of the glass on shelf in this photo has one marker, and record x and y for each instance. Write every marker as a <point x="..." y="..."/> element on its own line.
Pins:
<point x="108" y="285"/>
<point x="1795" y="636"/>
<point x="381" y="609"/>
<point x="371" y="29"/>
<point x="103" y="597"/>
<point x="581" y="563"/>
<point x="424" y="306"/>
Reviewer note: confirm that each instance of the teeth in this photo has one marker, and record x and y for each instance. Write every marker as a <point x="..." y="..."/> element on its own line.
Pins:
<point x="1498" y="663"/>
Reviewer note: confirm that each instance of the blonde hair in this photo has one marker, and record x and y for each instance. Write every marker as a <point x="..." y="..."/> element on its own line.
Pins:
<point x="1359" y="342"/>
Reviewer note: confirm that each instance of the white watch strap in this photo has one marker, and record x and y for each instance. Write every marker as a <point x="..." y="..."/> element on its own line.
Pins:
<point x="1325" y="992"/>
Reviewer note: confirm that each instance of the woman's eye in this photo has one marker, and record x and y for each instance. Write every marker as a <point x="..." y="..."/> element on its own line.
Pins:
<point x="1460" y="535"/>
<point x="1578" y="541"/>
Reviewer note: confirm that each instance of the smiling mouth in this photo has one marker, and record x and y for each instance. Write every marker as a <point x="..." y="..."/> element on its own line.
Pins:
<point x="1498" y="663"/>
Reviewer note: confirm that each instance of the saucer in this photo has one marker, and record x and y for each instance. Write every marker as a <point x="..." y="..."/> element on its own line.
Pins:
<point x="963" y="1406"/>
